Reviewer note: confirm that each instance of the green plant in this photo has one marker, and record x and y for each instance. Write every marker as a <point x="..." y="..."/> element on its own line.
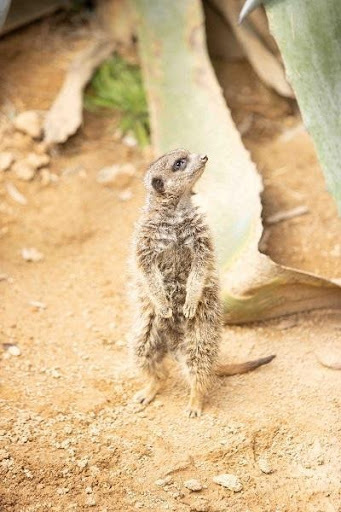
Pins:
<point x="118" y="85"/>
<point x="190" y="111"/>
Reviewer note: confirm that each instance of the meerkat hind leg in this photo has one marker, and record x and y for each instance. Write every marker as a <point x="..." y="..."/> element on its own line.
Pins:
<point x="196" y="399"/>
<point x="150" y="350"/>
<point x="201" y="347"/>
<point x="199" y="367"/>
<point x="155" y="377"/>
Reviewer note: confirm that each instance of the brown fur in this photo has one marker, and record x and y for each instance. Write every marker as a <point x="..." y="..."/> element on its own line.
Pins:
<point x="176" y="283"/>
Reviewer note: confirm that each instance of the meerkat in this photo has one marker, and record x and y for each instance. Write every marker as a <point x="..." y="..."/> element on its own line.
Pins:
<point x="176" y="283"/>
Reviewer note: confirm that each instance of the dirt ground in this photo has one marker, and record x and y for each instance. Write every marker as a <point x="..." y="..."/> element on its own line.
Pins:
<point x="70" y="436"/>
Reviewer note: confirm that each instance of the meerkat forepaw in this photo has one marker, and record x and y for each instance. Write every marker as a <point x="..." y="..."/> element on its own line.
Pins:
<point x="189" y="310"/>
<point x="165" y="312"/>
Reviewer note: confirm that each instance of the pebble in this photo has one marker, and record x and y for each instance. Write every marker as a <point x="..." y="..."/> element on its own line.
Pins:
<point x="88" y="490"/>
<point x="13" y="350"/>
<point x="55" y="373"/>
<point x="229" y="481"/>
<point x="28" y="473"/>
<point x="47" y="177"/>
<point x="164" y="481"/>
<point x="193" y="485"/>
<point x="6" y="160"/>
<point x="90" y="501"/>
<point x="4" y="454"/>
<point x="29" y="122"/>
<point x="264" y="466"/>
<point x="24" y="171"/>
<point x="130" y="141"/>
<point x="37" y="304"/>
<point x="14" y="193"/>
<point x="31" y="254"/>
<point x="62" y="490"/>
<point x="82" y="463"/>
<point x="37" y="161"/>
<point x="119" y="175"/>
<point x="125" y="195"/>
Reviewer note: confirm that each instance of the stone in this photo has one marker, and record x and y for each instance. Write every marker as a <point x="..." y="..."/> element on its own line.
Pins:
<point x="24" y="171"/>
<point x="32" y="254"/>
<point x="264" y="466"/>
<point x="119" y="175"/>
<point x="229" y="481"/>
<point x="6" y="160"/>
<point x="29" y="122"/>
<point x="37" y="161"/>
<point x="11" y="349"/>
<point x="193" y="485"/>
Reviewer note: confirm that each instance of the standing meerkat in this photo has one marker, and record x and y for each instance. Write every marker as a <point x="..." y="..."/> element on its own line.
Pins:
<point x="176" y="283"/>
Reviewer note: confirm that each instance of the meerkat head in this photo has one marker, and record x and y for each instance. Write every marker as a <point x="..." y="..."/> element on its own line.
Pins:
<point x="174" y="174"/>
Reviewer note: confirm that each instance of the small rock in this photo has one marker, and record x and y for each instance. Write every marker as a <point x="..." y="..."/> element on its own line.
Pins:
<point x="29" y="122"/>
<point x="13" y="350"/>
<point x="119" y="175"/>
<point x="4" y="454"/>
<point x="264" y="466"/>
<point x="229" y="481"/>
<point x="164" y="481"/>
<point x="28" y="473"/>
<point x="129" y="140"/>
<point x="125" y="195"/>
<point x="24" y="171"/>
<point x="37" y="161"/>
<point x="62" y="490"/>
<point x="6" y="160"/>
<point x="14" y="193"/>
<point x="48" y="177"/>
<point x="32" y="254"/>
<point x="88" y="490"/>
<point x="193" y="485"/>
<point x="36" y="304"/>
<point x="90" y="501"/>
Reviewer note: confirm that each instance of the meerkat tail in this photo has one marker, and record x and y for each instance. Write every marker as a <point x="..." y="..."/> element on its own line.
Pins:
<point x="225" y="370"/>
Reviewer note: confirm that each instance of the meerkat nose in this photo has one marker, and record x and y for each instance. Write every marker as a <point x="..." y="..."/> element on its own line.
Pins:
<point x="203" y="158"/>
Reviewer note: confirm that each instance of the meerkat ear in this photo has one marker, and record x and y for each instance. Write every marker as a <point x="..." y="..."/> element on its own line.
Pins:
<point x="158" y="185"/>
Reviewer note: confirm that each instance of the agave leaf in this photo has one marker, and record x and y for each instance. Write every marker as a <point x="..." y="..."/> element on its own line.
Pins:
<point x="188" y="110"/>
<point x="265" y="64"/>
<point x="308" y="35"/>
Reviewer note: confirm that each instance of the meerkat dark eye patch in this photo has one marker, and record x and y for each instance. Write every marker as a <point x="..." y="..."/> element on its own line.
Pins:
<point x="158" y="185"/>
<point x="180" y="164"/>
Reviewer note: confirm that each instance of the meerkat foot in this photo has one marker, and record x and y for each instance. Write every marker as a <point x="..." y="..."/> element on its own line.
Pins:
<point x="147" y="394"/>
<point x="195" y="406"/>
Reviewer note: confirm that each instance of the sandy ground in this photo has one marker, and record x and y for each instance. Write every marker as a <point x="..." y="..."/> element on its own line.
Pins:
<point x="70" y="436"/>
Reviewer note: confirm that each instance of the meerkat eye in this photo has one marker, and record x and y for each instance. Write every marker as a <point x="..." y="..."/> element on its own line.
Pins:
<point x="180" y="164"/>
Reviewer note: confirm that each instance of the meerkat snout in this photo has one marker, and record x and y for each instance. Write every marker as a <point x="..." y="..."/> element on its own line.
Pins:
<point x="204" y="158"/>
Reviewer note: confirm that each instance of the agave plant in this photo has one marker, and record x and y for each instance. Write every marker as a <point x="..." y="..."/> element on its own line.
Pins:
<point x="118" y="85"/>
<point x="189" y="111"/>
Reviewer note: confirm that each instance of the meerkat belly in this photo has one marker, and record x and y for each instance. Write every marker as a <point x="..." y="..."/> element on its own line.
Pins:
<point x="175" y="265"/>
